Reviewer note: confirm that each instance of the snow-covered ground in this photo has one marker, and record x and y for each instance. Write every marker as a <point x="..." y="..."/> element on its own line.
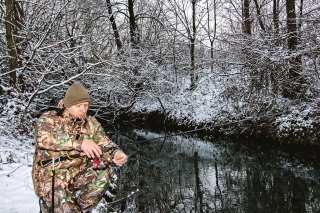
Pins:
<point x="16" y="187"/>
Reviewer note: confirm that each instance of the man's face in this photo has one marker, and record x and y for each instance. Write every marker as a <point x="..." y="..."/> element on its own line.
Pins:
<point x="79" y="110"/>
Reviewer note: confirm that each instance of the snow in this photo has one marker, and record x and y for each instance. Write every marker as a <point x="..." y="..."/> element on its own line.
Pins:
<point x="16" y="187"/>
<point x="17" y="194"/>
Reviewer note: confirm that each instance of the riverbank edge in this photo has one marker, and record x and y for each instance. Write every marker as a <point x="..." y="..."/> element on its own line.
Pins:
<point x="243" y="129"/>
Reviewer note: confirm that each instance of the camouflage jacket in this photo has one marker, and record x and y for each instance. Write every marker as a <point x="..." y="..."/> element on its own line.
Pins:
<point x="58" y="135"/>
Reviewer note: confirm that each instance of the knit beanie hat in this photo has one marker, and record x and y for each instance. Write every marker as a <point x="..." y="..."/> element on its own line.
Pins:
<point x="76" y="94"/>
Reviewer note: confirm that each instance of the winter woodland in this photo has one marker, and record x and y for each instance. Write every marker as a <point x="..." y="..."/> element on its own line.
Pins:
<point x="236" y="67"/>
<point x="247" y="67"/>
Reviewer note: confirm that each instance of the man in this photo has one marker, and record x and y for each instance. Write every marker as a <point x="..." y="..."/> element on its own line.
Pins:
<point x="78" y="186"/>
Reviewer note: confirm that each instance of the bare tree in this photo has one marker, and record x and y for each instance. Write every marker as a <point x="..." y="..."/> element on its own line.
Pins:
<point x="134" y="38"/>
<point x="192" y="37"/>
<point x="275" y="14"/>
<point x="294" y="85"/>
<point x="13" y="23"/>
<point x="187" y="28"/>
<point x="211" y="25"/>
<point x="114" y="26"/>
<point x="259" y="15"/>
<point x="246" y="17"/>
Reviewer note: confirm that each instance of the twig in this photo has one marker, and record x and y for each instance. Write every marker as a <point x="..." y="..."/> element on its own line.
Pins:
<point x="14" y="170"/>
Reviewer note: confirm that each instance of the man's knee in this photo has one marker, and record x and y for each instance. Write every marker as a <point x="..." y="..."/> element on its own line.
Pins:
<point x="69" y="207"/>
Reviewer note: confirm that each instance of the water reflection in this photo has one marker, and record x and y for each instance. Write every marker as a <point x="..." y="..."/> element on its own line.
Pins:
<point x="186" y="174"/>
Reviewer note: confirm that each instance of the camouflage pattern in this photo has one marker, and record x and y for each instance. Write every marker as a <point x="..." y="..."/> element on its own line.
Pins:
<point x="78" y="187"/>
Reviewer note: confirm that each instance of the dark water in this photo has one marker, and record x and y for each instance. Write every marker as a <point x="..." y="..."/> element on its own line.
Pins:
<point x="188" y="174"/>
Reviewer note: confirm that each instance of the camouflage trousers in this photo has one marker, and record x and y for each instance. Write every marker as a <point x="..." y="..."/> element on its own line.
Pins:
<point x="83" y="194"/>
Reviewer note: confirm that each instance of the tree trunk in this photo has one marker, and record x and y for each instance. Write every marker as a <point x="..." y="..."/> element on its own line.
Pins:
<point x="193" y="76"/>
<point x="300" y="13"/>
<point x="211" y="39"/>
<point x="246" y="16"/>
<point x="114" y="26"/>
<point x="259" y="15"/>
<point x="12" y="25"/>
<point x="211" y="53"/>
<point x="133" y="26"/>
<point x="293" y="87"/>
<point x="276" y="16"/>
<point x="291" y="25"/>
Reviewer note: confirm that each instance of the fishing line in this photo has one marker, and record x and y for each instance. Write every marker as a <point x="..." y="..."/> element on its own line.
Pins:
<point x="185" y="132"/>
<point x="166" y="136"/>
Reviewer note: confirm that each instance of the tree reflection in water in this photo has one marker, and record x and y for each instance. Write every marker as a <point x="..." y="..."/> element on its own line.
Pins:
<point x="188" y="174"/>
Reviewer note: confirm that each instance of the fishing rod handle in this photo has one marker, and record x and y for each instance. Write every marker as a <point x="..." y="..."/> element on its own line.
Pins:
<point x="44" y="163"/>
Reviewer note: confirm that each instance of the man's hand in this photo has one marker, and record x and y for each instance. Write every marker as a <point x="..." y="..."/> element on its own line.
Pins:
<point x="119" y="158"/>
<point x="90" y="148"/>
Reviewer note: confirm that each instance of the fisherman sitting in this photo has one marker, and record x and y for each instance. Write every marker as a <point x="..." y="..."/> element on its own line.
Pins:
<point x="72" y="185"/>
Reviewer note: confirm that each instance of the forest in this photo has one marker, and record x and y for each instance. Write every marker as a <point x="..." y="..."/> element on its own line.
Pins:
<point x="234" y="67"/>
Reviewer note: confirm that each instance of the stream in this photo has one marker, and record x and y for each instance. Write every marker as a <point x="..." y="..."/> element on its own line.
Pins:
<point x="186" y="173"/>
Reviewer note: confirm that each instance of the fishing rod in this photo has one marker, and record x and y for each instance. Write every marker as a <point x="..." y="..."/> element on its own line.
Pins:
<point x="66" y="156"/>
<point x="44" y="163"/>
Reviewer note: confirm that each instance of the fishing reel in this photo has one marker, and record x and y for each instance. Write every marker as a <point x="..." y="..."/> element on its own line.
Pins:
<point x="99" y="163"/>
